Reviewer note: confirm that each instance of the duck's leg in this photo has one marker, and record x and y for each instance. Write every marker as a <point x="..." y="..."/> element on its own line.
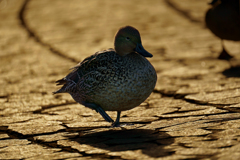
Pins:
<point x="224" y="54"/>
<point x="98" y="109"/>
<point x="116" y="123"/>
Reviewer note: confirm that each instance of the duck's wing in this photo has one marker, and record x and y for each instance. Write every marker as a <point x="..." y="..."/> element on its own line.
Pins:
<point x="76" y="70"/>
<point x="85" y="72"/>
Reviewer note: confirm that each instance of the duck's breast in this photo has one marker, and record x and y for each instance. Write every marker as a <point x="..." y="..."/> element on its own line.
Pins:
<point x="130" y="80"/>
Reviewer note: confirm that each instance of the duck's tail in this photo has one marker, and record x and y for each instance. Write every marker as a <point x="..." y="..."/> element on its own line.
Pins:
<point x="63" y="82"/>
<point x="69" y="82"/>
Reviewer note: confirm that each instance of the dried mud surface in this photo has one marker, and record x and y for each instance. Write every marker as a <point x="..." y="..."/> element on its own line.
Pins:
<point x="193" y="113"/>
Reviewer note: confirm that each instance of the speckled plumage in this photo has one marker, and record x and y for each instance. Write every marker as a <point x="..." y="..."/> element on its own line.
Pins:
<point x="115" y="79"/>
<point x="114" y="82"/>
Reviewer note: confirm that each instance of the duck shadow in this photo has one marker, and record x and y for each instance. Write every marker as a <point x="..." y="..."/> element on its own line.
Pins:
<point x="150" y="142"/>
<point x="232" y="72"/>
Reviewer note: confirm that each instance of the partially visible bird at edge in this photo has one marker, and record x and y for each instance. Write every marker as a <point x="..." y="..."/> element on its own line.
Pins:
<point x="116" y="79"/>
<point x="223" y="19"/>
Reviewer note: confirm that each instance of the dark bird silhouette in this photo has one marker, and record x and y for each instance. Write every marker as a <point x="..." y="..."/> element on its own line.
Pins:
<point x="223" y="19"/>
<point x="116" y="79"/>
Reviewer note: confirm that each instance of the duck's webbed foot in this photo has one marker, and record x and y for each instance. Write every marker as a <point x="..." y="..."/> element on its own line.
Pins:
<point x="98" y="109"/>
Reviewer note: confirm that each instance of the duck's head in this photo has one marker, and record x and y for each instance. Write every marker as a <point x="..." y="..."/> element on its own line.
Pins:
<point x="128" y="40"/>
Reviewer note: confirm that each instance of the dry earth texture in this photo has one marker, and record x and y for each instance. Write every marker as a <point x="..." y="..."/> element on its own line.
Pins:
<point x="193" y="113"/>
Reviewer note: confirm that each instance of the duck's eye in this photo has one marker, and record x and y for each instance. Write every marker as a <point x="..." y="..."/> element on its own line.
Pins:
<point x="127" y="38"/>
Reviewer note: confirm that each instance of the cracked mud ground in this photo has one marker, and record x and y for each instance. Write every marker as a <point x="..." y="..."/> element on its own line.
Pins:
<point x="193" y="112"/>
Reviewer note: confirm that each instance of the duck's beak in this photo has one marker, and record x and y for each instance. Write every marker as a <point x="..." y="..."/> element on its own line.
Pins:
<point x="142" y="51"/>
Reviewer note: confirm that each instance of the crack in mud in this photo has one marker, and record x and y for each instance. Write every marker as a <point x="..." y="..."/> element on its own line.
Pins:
<point x="172" y="94"/>
<point x="15" y="135"/>
<point x="32" y="34"/>
<point x="182" y="12"/>
<point x="39" y="111"/>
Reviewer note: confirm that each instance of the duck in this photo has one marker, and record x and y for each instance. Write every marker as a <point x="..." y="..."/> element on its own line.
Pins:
<point x="116" y="79"/>
<point x="223" y="20"/>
